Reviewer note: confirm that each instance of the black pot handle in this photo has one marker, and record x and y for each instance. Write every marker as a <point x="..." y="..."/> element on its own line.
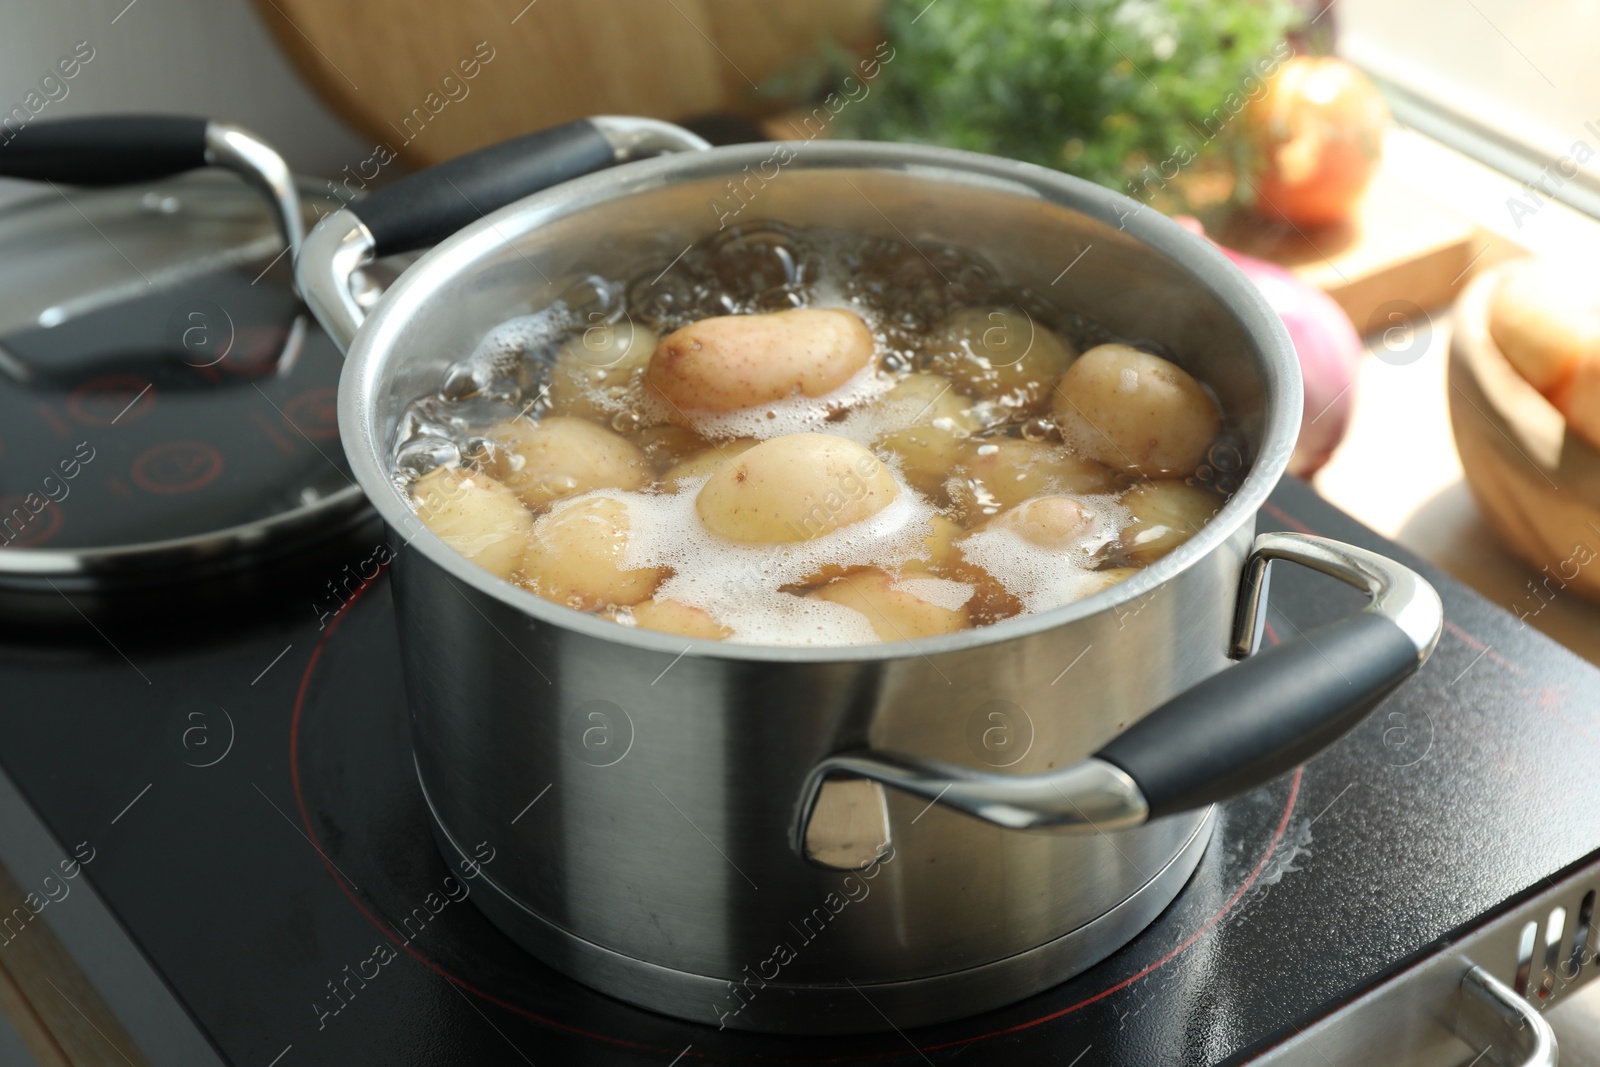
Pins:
<point x="123" y="149"/>
<point x="424" y="208"/>
<point x="1231" y="733"/>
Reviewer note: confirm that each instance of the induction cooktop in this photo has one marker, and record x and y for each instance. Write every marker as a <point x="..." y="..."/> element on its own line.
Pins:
<point x="215" y="850"/>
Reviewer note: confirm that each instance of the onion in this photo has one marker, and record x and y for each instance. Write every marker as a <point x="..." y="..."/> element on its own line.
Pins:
<point x="1327" y="344"/>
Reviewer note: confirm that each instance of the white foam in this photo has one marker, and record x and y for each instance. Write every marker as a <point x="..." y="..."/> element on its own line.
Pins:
<point x="940" y="592"/>
<point x="741" y="585"/>
<point x="1047" y="578"/>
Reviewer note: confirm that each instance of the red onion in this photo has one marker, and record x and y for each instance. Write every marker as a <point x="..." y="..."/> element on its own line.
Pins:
<point x="1327" y="344"/>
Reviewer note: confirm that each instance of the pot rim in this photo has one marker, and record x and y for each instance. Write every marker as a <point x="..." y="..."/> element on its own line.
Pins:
<point x="1208" y="267"/>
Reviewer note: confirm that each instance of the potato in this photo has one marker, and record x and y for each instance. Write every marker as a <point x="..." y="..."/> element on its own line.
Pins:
<point x="735" y="362"/>
<point x="1135" y="412"/>
<point x="1001" y="472"/>
<point x="1544" y="316"/>
<point x="1000" y="354"/>
<point x="559" y="456"/>
<point x="476" y="516"/>
<point x="929" y="421"/>
<point x="926" y="400"/>
<point x="676" y="617"/>
<point x="1165" y="514"/>
<point x="664" y="446"/>
<point x="895" y="613"/>
<point x="939" y="550"/>
<point x="1055" y="522"/>
<point x="575" y="556"/>
<point x="795" y="488"/>
<point x="1579" y="400"/>
<point x="600" y="364"/>
<point x="706" y="461"/>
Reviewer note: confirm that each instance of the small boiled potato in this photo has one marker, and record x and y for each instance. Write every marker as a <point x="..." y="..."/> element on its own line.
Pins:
<point x="926" y="400"/>
<point x="676" y="617"/>
<point x="705" y="462"/>
<point x="593" y="373"/>
<point x="795" y="488"/>
<point x="892" y="606"/>
<point x="735" y="362"/>
<point x="1165" y="514"/>
<point x="664" y="446"/>
<point x="559" y="456"/>
<point x="939" y="549"/>
<point x="1135" y="412"/>
<point x="928" y="422"/>
<point x="1001" y="472"/>
<point x="1000" y="354"/>
<point x="476" y="516"/>
<point x="575" y="556"/>
<point x="1055" y="522"/>
<point x="1544" y="315"/>
<point x="926" y="454"/>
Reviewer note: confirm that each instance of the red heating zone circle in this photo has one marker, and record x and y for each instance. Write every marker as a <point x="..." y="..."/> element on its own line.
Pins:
<point x="338" y="879"/>
<point x="177" y="467"/>
<point x="315" y="413"/>
<point x="40" y="527"/>
<point x="113" y="398"/>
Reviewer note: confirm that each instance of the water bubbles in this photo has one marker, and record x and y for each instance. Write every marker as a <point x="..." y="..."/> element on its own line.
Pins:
<point x="761" y="257"/>
<point x="460" y="383"/>
<point x="1037" y="429"/>
<point x="425" y="454"/>
<point x="626" y="421"/>
<point x="476" y="449"/>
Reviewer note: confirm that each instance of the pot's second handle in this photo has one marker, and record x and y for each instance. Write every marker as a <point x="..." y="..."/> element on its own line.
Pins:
<point x="1231" y="733"/>
<point x="424" y="208"/>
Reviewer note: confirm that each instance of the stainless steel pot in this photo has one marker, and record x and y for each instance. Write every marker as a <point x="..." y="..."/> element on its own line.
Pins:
<point x="704" y="828"/>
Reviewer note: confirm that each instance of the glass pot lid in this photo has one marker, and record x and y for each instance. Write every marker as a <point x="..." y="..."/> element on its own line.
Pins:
<point x="166" y="401"/>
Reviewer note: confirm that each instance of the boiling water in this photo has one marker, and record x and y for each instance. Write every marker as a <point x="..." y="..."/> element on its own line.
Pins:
<point x="903" y="292"/>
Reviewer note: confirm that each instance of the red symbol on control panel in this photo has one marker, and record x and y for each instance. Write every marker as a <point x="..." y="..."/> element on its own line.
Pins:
<point x="177" y="467"/>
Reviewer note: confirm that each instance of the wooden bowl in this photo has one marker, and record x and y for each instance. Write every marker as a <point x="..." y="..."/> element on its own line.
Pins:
<point x="1536" y="482"/>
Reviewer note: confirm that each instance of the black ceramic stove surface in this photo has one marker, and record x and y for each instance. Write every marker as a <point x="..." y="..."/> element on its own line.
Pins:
<point x="258" y="830"/>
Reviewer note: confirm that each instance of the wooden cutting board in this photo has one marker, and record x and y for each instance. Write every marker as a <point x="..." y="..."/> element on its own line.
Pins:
<point x="398" y="70"/>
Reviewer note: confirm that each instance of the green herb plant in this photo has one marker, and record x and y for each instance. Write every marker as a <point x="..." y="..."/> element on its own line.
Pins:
<point x="1127" y="93"/>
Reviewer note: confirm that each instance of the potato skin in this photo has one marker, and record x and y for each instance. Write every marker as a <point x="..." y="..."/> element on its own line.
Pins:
<point x="929" y="420"/>
<point x="666" y="446"/>
<point x="895" y="614"/>
<point x="1135" y="412"/>
<point x="735" y="362"/>
<point x="557" y="457"/>
<point x="1001" y="472"/>
<point x="1000" y="354"/>
<point x="795" y="488"/>
<point x="705" y="462"/>
<point x="675" y="617"/>
<point x="1054" y="522"/>
<point x="1544" y="316"/>
<point x="1165" y="514"/>
<point x="600" y="364"/>
<point x="476" y="516"/>
<point x="575" y="556"/>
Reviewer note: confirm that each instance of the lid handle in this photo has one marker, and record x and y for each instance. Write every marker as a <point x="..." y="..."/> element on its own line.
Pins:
<point x="124" y="149"/>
